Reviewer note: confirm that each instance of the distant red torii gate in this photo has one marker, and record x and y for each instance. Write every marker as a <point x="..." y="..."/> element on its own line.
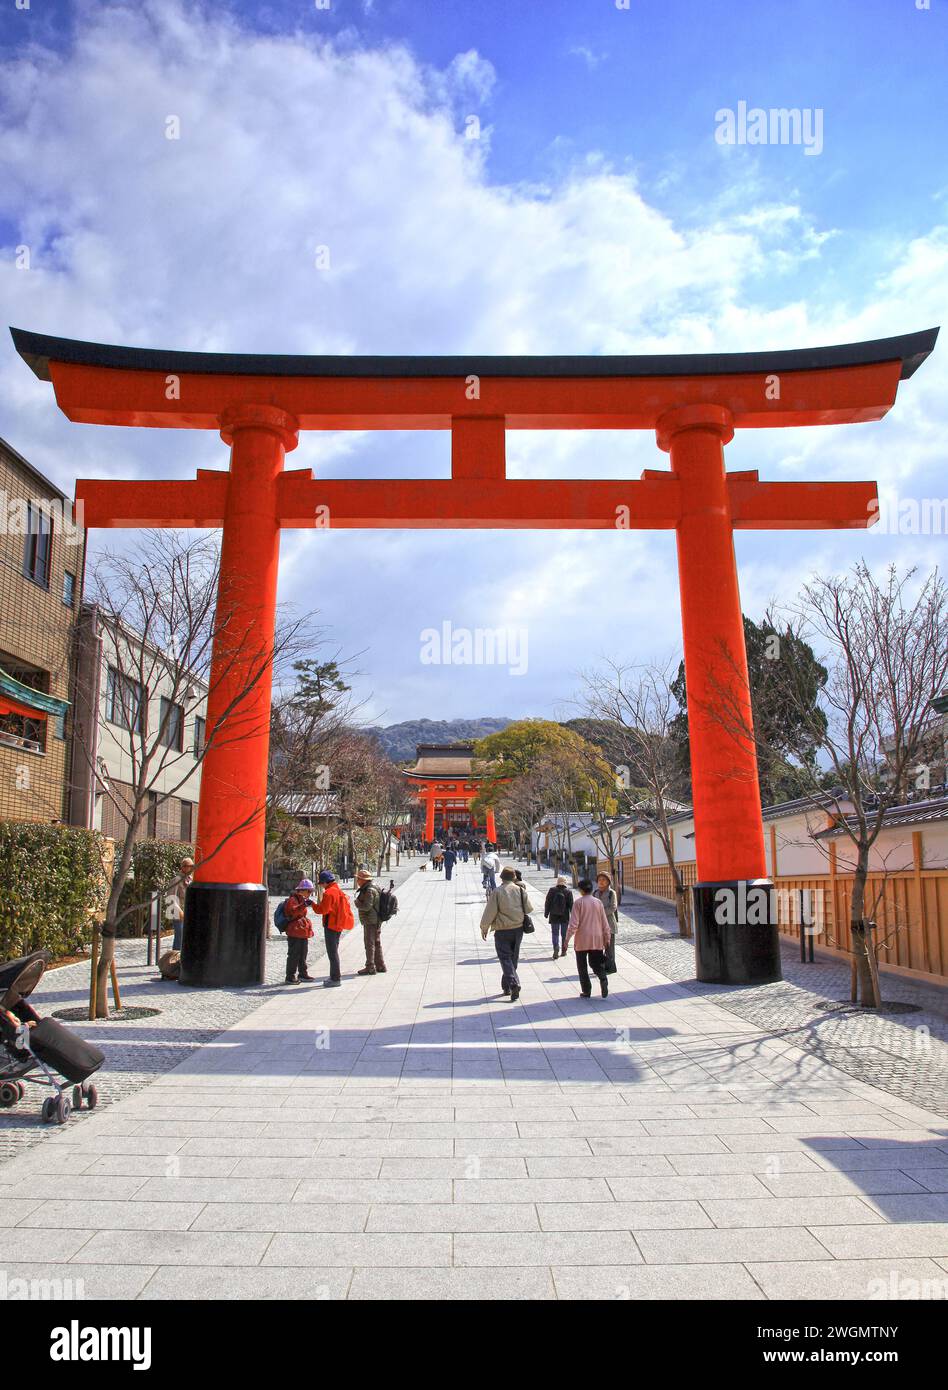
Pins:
<point x="693" y="402"/>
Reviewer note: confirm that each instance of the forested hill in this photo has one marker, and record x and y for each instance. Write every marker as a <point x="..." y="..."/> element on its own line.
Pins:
<point x="400" y="740"/>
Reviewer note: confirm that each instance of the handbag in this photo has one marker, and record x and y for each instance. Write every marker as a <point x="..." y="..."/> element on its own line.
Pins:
<point x="527" y="922"/>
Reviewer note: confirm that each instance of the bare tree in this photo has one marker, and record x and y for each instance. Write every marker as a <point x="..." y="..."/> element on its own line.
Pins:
<point x="638" y="703"/>
<point x="885" y="647"/>
<point x="159" y="615"/>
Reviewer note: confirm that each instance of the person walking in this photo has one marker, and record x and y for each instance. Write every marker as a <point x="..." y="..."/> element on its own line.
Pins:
<point x="450" y="859"/>
<point x="589" y="930"/>
<point x="556" y="910"/>
<point x="489" y="866"/>
<point x="435" y="853"/>
<point x="367" y="905"/>
<point x="503" y="915"/>
<point x="333" y="906"/>
<point x="607" y="896"/>
<point x="299" y="932"/>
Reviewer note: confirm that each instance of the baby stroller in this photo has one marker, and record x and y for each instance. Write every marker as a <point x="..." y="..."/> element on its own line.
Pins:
<point x="33" y="1048"/>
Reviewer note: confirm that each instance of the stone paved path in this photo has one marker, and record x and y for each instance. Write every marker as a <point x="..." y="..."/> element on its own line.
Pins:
<point x="905" y="1054"/>
<point x="416" y="1135"/>
<point x="139" y="1049"/>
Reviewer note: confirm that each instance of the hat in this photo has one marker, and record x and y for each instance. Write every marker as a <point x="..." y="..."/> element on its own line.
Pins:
<point x="326" y="877"/>
<point x="304" y="886"/>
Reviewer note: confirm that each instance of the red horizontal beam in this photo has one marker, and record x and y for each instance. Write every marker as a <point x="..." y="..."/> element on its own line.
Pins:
<point x="112" y="502"/>
<point x="795" y="506"/>
<point x="652" y="503"/>
<point x="120" y="396"/>
<point x="507" y="504"/>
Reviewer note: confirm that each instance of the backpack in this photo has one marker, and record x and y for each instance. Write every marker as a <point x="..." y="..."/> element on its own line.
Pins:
<point x="170" y="965"/>
<point x="280" y="919"/>
<point x="388" y="903"/>
<point x="559" y="903"/>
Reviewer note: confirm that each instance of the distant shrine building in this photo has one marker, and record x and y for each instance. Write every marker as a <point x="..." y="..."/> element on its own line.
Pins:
<point x="444" y="790"/>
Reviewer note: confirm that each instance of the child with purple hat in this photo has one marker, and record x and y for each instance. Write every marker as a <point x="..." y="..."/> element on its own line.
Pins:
<point x="298" y="931"/>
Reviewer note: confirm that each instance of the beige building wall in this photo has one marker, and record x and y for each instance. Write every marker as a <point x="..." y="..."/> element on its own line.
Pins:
<point x="177" y="779"/>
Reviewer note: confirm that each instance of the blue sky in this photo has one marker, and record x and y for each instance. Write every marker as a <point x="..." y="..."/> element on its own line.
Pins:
<point x="596" y="212"/>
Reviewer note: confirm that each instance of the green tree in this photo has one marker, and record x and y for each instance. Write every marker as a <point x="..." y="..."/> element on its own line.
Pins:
<point x="788" y="733"/>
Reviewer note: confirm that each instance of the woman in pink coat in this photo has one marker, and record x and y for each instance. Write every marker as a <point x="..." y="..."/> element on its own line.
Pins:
<point x="590" y="930"/>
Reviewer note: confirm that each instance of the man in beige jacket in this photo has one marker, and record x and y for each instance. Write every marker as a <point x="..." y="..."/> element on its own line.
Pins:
<point x="506" y="908"/>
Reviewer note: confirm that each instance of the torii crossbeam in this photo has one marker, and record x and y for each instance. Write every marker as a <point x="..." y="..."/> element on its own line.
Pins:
<point x="694" y="403"/>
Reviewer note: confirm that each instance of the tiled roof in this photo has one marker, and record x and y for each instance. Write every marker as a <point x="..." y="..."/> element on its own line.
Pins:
<point x="912" y="813"/>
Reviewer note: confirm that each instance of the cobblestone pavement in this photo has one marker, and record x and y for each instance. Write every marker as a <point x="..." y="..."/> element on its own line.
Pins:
<point x="906" y="1054"/>
<point x="138" y="1050"/>
<point x="415" y="1135"/>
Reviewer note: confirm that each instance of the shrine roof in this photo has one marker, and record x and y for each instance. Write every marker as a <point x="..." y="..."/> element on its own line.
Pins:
<point x="442" y="760"/>
<point x="39" y="349"/>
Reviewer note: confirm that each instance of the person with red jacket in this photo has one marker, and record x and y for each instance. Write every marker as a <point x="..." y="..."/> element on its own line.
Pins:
<point x="298" y="931"/>
<point x="336" y="911"/>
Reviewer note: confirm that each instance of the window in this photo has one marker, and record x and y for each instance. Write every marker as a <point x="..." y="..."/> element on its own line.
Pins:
<point x="59" y="725"/>
<point x="164" y="817"/>
<point x="124" y="704"/>
<point x="172" y="725"/>
<point x="39" y="545"/>
<point x="200" y="726"/>
<point x="187" y="821"/>
<point x="69" y="589"/>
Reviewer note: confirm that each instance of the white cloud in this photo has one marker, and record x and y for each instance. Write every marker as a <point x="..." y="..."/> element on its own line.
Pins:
<point x="289" y="143"/>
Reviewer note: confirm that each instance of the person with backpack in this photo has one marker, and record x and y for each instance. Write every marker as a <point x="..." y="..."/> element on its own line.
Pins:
<point x="291" y="918"/>
<point x="556" y="910"/>
<point x="336" y="911"/>
<point x="367" y="904"/>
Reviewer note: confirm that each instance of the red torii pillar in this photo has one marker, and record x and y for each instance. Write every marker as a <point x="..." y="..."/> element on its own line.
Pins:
<point x="693" y="403"/>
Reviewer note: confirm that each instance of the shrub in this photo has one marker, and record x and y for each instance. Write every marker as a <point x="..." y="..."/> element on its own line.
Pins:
<point x="53" y="885"/>
<point x="154" y="866"/>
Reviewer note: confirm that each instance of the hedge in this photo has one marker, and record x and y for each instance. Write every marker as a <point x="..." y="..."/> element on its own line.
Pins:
<point x="154" y="866"/>
<point x="53" y="884"/>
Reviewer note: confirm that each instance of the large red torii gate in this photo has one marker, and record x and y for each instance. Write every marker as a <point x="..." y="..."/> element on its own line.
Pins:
<point x="693" y="402"/>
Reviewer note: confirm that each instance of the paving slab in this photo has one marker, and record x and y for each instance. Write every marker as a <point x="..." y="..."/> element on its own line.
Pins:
<point x="416" y="1135"/>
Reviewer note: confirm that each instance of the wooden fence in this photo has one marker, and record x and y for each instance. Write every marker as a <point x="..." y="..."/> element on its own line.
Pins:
<point x="910" y="909"/>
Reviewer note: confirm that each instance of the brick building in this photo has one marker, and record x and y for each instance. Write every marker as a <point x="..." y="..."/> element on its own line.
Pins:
<point x="41" y="564"/>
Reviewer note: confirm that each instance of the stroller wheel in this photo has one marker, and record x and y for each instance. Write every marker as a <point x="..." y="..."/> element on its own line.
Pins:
<point x="21" y="1089"/>
<point x="48" y="1110"/>
<point x="63" y="1110"/>
<point x="77" y="1097"/>
<point x="10" y="1093"/>
<point x="92" y="1097"/>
